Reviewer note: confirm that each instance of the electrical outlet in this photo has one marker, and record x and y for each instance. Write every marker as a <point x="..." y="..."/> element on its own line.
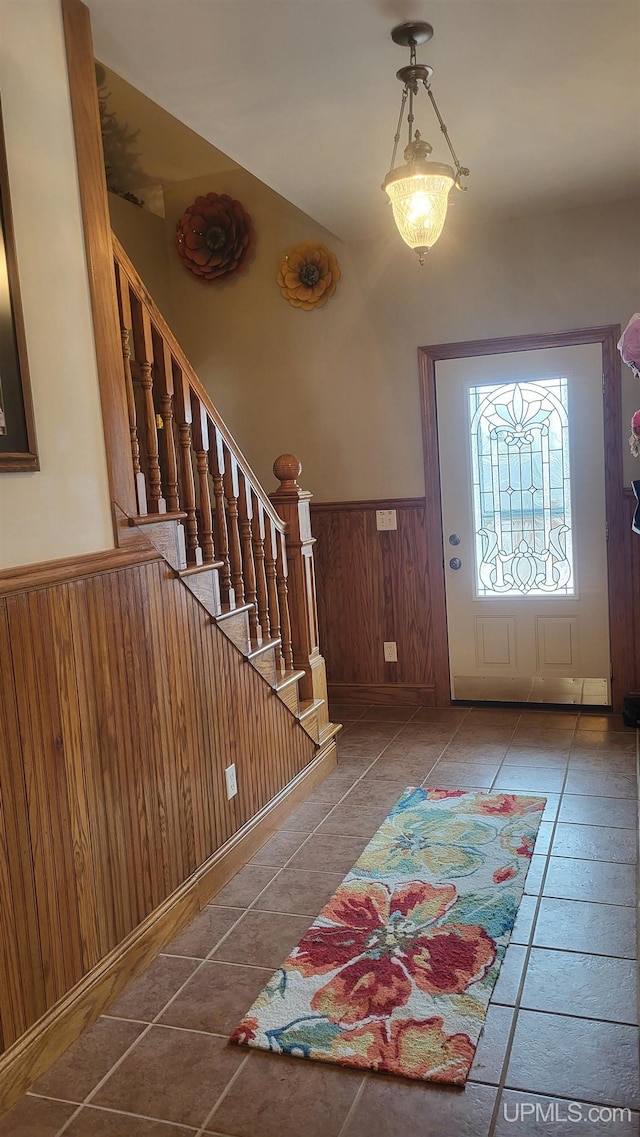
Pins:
<point x="390" y="651"/>
<point x="386" y="519"/>
<point x="232" y="784"/>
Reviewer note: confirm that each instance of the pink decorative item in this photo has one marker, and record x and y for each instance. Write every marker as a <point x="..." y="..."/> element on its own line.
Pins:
<point x="629" y="345"/>
<point x="634" y="437"/>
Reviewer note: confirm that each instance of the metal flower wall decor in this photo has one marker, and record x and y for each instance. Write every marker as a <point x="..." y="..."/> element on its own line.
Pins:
<point x="215" y="237"/>
<point x="308" y="275"/>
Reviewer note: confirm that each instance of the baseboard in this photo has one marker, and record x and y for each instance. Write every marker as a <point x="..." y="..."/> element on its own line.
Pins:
<point x="383" y="694"/>
<point x="48" y="1038"/>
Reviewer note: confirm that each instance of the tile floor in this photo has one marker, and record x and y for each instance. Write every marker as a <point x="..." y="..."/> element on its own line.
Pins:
<point x="560" y="1041"/>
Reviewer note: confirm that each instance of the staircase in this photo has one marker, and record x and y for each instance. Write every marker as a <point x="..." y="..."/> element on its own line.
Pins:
<point x="246" y="557"/>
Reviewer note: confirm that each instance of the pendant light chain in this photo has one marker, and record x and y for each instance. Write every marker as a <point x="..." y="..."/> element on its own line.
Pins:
<point x="396" y="137"/>
<point x="461" y="171"/>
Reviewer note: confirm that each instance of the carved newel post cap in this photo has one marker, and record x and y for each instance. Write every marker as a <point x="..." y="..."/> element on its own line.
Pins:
<point x="287" y="468"/>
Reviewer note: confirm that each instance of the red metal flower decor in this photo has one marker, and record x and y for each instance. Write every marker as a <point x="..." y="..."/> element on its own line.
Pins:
<point x="215" y="237"/>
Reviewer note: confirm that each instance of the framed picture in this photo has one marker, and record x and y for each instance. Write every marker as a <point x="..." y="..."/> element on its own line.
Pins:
<point x="18" y="449"/>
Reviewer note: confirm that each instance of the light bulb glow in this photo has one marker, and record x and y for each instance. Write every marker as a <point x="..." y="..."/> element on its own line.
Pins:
<point x="419" y="202"/>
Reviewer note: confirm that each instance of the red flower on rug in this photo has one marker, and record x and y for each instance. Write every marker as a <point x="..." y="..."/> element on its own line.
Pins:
<point x="379" y="941"/>
<point x="510" y="804"/>
<point x="418" y="1049"/>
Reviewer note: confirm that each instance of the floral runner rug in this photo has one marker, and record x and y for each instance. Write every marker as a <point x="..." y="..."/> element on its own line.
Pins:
<point x="396" y="972"/>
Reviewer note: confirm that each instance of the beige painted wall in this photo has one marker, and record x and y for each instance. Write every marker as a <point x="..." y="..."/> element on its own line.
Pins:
<point x="63" y="509"/>
<point x="339" y="386"/>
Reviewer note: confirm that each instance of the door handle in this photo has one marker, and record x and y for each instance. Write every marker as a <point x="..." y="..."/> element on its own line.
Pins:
<point x="454" y="539"/>
<point x="455" y="563"/>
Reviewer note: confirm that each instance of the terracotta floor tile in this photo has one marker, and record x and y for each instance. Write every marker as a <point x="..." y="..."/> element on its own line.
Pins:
<point x="388" y="714"/>
<point x="600" y="784"/>
<point x="396" y="1107"/>
<point x="480" y="774"/>
<point x="332" y="789"/>
<point x="405" y="748"/>
<point x="607" y="740"/>
<point x="470" y="750"/>
<point x="92" y="1122"/>
<point x="345" y="712"/>
<point x="204" y="932"/>
<point x="35" y="1117"/>
<point x="529" y="779"/>
<point x="545" y="740"/>
<point x="547" y="1115"/>
<point x="305" y="817"/>
<point x="371" y="792"/>
<point x="329" y="853"/>
<point x="509" y="976"/>
<point x="275" y="1096"/>
<point x="411" y="771"/>
<point x="82" y="1066"/>
<point x="494" y="716"/>
<point x="352" y="822"/>
<point x="243" y="888"/>
<point x="603" y="761"/>
<point x="216" y="998"/>
<point x="426" y="734"/>
<point x="479" y="733"/>
<point x="450" y="716"/>
<point x="576" y="983"/>
<point x="609" y="722"/>
<point x="532" y="756"/>
<point x="548" y="720"/>
<point x="523" y="926"/>
<point x="299" y="892"/>
<point x="354" y="767"/>
<point x="145" y="997"/>
<point x="277" y="850"/>
<point x="492" y="1047"/>
<point x="262" y="939"/>
<point x="597" y="881"/>
<point x="543" y="837"/>
<point x="533" y="881"/>
<point x="174" y="1075"/>
<point x="615" y="812"/>
<point x="575" y="1058"/>
<point x="550" y="811"/>
<point x="595" y="842"/>
<point x="576" y="925"/>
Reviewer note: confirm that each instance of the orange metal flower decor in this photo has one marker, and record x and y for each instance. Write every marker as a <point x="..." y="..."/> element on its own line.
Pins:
<point x="214" y="237"/>
<point x="308" y="275"/>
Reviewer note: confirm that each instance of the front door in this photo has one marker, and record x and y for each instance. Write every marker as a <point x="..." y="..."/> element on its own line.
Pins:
<point x="524" y="531"/>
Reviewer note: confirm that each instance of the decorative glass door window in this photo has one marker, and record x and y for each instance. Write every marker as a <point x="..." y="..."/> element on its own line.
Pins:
<point x="521" y="488"/>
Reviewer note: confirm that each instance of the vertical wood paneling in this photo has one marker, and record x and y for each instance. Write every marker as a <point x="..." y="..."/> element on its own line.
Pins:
<point x="374" y="586"/>
<point x="121" y="705"/>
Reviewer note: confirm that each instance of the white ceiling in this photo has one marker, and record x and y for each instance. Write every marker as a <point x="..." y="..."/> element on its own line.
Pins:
<point x="541" y="97"/>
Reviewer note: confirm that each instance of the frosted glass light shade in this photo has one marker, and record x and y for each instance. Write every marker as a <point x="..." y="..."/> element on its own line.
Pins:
<point x="419" y="199"/>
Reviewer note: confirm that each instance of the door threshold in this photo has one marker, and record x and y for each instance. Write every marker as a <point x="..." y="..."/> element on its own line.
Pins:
<point x="584" y="708"/>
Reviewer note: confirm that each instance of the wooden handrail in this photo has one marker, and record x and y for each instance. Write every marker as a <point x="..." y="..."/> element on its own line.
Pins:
<point x="161" y="327"/>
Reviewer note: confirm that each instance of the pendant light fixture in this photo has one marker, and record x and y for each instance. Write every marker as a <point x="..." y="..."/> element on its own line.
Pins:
<point x="419" y="190"/>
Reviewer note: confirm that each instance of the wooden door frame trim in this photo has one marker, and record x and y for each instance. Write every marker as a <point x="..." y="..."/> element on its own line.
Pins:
<point x="619" y="582"/>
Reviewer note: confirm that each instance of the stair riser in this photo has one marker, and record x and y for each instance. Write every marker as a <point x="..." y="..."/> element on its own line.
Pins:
<point x="236" y="629"/>
<point x="205" y="586"/>
<point x="265" y="663"/>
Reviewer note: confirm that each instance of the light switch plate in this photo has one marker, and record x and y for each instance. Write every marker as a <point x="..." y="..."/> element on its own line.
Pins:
<point x="386" y="519"/>
<point x="390" y="651"/>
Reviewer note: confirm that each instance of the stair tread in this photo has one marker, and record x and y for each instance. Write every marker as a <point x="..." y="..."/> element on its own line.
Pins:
<point x="227" y="611"/>
<point x="286" y="678"/>
<point x="308" y="706"/>
<point x="192" y="570"/>
<point x="153" y="518"/>
<point x="257" y="649"/>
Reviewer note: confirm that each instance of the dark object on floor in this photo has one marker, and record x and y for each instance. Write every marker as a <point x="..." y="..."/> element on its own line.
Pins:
<point x="631" y="705"/>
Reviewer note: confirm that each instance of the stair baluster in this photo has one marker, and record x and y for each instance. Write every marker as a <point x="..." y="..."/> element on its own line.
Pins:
<point x="231" y="489"/>
<point x="217" y="466"/>
<point x="124" y="308"/>
<point x="143" y="345"/>
<point x="245" y="514"/>
<point x="258" y="539"/>
<point x="283" y="602"/>
<point x="164" y="386"/>
<point x="271" y="556"/>
<point x="200" y="432"/>
<point x="182" y="407"/>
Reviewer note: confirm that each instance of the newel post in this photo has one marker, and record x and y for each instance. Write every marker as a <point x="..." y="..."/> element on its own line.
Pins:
<point x="292" y="503"/>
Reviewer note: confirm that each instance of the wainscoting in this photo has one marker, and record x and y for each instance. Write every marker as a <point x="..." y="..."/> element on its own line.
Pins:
<point x="374" y="586"/>
<point x="121" y="703"/>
